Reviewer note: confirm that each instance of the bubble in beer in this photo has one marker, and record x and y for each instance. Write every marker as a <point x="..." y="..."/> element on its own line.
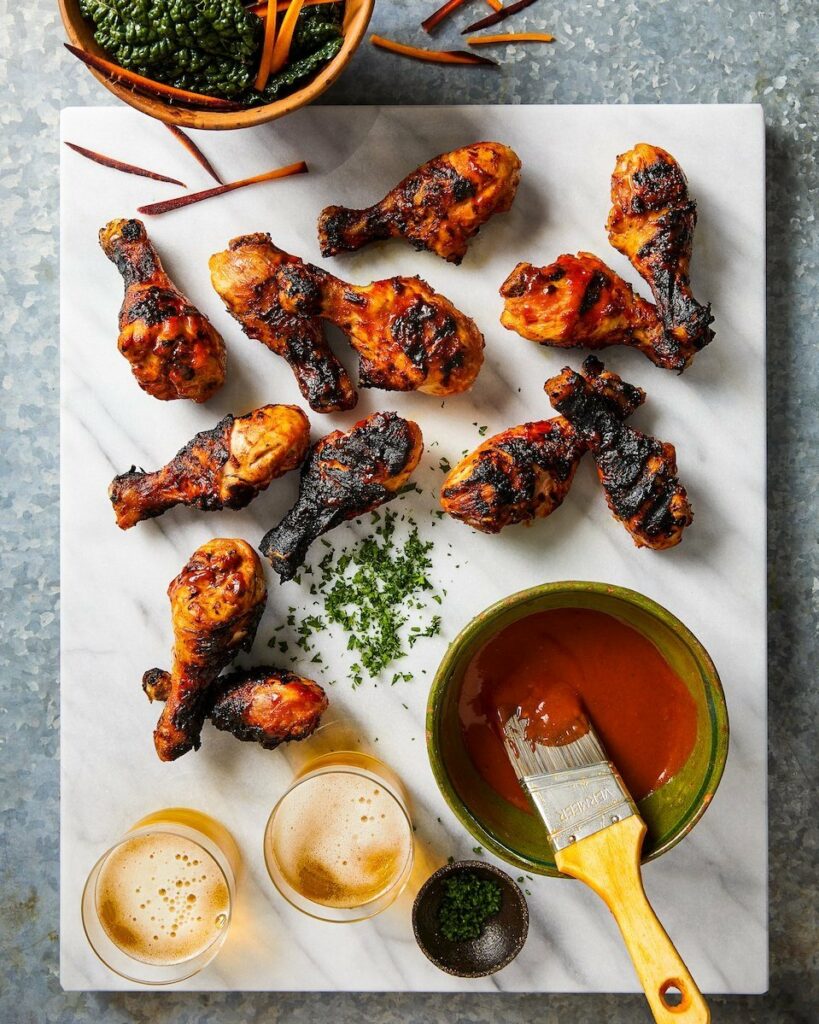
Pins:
<point x="166" y="934"/>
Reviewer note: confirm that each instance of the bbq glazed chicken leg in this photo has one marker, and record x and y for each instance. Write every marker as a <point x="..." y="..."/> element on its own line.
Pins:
<point x="225" y="467"/>
<point x="244" y="275"/>
<point x="652" y="222"/>
<point x="173" y="349"/>
<point x="438" y="207"/>
<point x="345" y="476"/>
<point x="261" y="705"/>
<point x="408" y="337"/>
<point x="216" y="603"/>
<point x="638" y="472"/>
<point x="525" y="472"/>
<point x="579" y="301"/>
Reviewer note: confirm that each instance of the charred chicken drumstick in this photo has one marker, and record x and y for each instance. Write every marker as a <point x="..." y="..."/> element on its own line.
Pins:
<point x="225" y="467"/>
<point x="652" y="222"/>
<point x="524" y="473"/>
<point x="262" y="705"/>
<point x="244" y="275"/>
<point x="345" y="475"/>
<point x="173" y="349"/>
<point x="579" y="301"/>
<point x="638" y="472"/>
<point x="439" y="207"/>
<point x="408" y="337"/>
<point x="216" y="603"/>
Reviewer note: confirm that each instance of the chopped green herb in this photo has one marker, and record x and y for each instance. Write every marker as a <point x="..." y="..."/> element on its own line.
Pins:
<point x="469" y="901"/>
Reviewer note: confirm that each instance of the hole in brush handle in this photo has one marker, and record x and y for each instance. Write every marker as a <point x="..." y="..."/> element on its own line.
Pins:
<point x="673" y="996"/>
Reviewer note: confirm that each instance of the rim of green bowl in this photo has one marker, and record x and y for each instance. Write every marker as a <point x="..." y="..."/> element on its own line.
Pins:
<point x="717" y="711"/>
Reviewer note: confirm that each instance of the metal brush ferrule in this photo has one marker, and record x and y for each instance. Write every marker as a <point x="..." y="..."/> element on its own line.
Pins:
<point x="577" y="802"/>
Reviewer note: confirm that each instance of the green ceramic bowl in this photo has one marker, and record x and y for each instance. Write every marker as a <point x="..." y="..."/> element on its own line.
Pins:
<point x="518" y="838"/>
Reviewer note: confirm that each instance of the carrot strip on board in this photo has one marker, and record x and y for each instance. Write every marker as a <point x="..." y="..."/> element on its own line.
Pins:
<point x="435" y="19"/>
<point x="496" y="5"/>
<point x="268" y="43"/>
<point x="433" y="56"/>
<point x="511" y="37"/>
<point x="118" y="165"/>
<point x="498" y="16"/>
<point x="220" y="190"/>
<point x="194" y="151"/>
<point x="148" y="85"/>
<point x="281" y="51"/>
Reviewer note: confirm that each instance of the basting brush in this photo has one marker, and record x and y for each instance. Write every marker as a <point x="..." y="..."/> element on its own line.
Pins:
<point x="597" y="834"/>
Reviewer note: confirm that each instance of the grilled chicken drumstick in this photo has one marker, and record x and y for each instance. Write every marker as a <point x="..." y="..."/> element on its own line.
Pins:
<point x="652" y="222"/>
<point x="345" y="475"/>
<point x="579" y="301"/>
<point x="216" y="603"/>
<point x="638" y="472"/>
<point x="408" y="337"/>
<point x="173" y="349"/>
<point x="225" y="467"/>
<point x="524" y="473"/>
<point x="262" y="705"/>
<point x="244" y="275"/>
<point x="439" y="207"/>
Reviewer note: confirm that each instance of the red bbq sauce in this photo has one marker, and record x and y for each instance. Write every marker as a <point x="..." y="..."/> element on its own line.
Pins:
<point x="558" y="666"/>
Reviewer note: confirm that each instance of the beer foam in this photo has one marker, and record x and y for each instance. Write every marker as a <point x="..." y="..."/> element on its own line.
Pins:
<point x="161" y="898"/>
<point x="340" y="839"/>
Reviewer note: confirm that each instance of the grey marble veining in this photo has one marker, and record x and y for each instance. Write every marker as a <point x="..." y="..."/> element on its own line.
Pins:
<point x="647" y="52"/>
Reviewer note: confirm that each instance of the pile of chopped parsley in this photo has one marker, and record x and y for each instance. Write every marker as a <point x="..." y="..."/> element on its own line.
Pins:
<point x="469" y="901"/>
<point x="378" y="592"/>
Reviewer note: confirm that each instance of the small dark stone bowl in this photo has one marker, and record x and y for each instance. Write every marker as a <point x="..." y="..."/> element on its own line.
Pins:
<point x="503" y="934"/>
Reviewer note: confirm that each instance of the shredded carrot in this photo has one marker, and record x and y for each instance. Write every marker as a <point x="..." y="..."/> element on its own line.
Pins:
<point x="147" y="85"/>
<point x="435" y="19"/>
<point x="118" y="165"/>
<point x="498" y="16"/>
<point x="433" y="56"/>
<point x="511" y="37"/>
<point x="267" y="48"/>
<point x="220" y="190"/>
<point x="194" y="151"/>
<point x="496" y="5"/>
<point x="284" y="39"/>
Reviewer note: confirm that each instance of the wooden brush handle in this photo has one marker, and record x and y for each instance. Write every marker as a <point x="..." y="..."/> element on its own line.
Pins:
<point x="609" y="862"/>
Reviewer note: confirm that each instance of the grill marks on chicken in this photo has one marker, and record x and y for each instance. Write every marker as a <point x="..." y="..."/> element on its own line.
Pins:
<point x="408" y="337"/>
<point x="261" y="705"/>
<point x="225" y="467"/>
<point x="217" y="601"/>
<point x="245" y="276"/>
<point x="579" y="301"/>
<point x="439" y="207"/>
<point x="345" y="476"/>
<point x="637" y="471"/>
<point x="524" y="473"/>
<point x="652" y="222"/>
<point x="173" y="349"/>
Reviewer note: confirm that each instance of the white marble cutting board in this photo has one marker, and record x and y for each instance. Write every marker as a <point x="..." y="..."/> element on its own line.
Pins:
<point x="711" y="890"/>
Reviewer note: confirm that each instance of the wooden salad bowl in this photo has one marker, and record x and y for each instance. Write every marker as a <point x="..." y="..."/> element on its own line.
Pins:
<point x="357" y="14"/>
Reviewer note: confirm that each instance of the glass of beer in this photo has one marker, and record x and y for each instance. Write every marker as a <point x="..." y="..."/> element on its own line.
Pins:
<point x="157" y="906"/>
<point x="339" y="843"/>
